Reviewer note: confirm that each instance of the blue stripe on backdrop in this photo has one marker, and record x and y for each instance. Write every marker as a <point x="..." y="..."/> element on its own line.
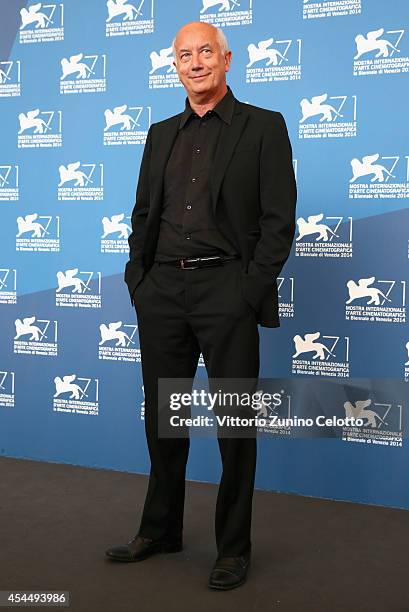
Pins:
<point x="9" y="25"/>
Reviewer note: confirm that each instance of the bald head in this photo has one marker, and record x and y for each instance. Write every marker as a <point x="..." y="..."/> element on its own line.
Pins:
<point x="196" y="26"/>
<point x="202" y="58"/>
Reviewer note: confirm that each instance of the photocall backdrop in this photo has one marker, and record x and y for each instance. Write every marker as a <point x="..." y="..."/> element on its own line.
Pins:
<point x="80" y="84"/>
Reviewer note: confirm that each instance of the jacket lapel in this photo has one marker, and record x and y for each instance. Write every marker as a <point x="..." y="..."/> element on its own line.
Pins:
<point x="229" y="137"/>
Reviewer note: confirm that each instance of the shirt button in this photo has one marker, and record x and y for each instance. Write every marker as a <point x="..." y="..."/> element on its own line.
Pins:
<point x="193" y="180"/>
<point x="188" y="207"/>
<point x="197" y="150"/>
<point x="187" y="237"/>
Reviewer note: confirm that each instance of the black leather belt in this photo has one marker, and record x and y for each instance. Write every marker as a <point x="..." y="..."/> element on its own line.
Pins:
<point x="192" y="263"/>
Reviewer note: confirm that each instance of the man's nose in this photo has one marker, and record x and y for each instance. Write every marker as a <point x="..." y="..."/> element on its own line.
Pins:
<point x="196" y="62"/>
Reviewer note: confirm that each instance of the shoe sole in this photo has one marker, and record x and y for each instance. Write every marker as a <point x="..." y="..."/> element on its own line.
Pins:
<point x="163" y="548"/>
<point x="226" y="588"/>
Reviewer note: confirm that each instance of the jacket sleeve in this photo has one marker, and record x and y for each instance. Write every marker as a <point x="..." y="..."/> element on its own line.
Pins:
<point x="134" y="269"/>
<point x="141" y="208"/>
<point x="278" y="195"/>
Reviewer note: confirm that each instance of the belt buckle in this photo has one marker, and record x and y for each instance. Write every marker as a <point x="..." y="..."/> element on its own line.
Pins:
<point x="184" y="267"/>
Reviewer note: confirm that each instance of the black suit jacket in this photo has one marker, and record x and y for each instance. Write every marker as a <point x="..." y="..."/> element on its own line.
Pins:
<point x="253" y="194"/>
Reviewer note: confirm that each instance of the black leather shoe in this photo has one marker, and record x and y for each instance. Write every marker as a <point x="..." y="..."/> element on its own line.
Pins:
<point x="229" y="573"/>
<point x="141" y="548"/>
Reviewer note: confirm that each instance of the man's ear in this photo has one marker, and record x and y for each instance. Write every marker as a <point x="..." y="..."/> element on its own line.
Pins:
<point x="227" y="60"/>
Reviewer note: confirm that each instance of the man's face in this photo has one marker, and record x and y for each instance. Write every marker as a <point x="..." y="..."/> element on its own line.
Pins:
<point x="199" y="61"/>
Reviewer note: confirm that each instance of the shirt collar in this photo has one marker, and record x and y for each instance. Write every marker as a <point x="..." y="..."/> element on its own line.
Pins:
<point x="224" y="109"/>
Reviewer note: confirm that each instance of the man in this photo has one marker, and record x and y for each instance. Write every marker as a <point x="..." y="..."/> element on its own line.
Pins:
<point x="212" y="227"/>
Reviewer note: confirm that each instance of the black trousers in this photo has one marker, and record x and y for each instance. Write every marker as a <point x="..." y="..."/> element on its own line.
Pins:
<point x="180" y="314"/>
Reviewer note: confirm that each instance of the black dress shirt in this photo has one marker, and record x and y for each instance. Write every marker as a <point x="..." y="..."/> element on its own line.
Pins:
<point x="187" y="226"/>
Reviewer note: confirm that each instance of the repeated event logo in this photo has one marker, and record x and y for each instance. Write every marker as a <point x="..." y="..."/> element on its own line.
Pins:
<point x="276" y="414"/>
<point x="42" y="23"/>
<point x="382" y="423"/>
<point x="10" y="78"/>
<point x="36" y="337"/>
<point x="7" y="380"/>
<point x="127" y="19"/>
<point x="115" y="234"/>
<point x="82" y="73"/>
<point x="81" y="181"/>
<point x="274" y="60"/>
<point x="330" y="8"/>
<point x="406" y="371"/>
<point x="316" y="238"/>
<point x="39" y="129"/>
<point x="327" y="116"/>
<point x="285" y="287"/>
<point x="8" y="286"/>
<point x="118" y="342"/>
<point x="74" y="288"/>
<point x="76" y="395"/>
<point x="162" y="74"/>
<point x="9" y="182"/>
<point x="374" y="300"/>
<point x="378" y="52"/>
<point x="224" y="13"/>
<point x="321" y="355"/>
<point x="38" y="233"/>
<point x="127" y="125"/>
<point x="379" y="176"/>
